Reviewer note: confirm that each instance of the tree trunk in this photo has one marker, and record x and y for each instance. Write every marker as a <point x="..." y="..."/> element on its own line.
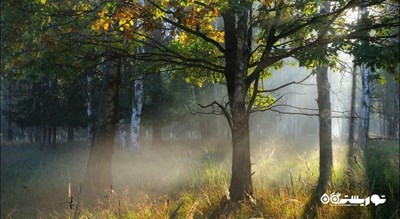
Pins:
<point x="157" y="112"/>
<point x="363" y="129"/>
<point x="54" y="136"/>
<point x="89" y="102"/>
<point x="391" y="106"/>
<point x="325" y="131"/>
<point x="137" y="104"/>
<point x="352" y="121"/>
<point x="53" y="114"/>
<point x="241" y="183"/>
<point x="43" y="137"/>
<point x="236" y="66"/>
<point x="49" y="135"/>
<point x="10" y="133"/>
<point x="98" y="176"/>
<point x="70" y="134"/>
<point x="36" y="133"/>
<point x="30" y="135"/>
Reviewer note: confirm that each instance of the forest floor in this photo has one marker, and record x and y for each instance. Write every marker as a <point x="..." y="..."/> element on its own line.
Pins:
<point x="187" y="179"/>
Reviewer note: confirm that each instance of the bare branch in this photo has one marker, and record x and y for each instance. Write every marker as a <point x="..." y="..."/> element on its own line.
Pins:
<point x="287" y="84"/>
<point x="223" y="110"/>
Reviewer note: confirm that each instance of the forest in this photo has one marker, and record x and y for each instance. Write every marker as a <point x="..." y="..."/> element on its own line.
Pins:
<point x="200" y="109"/>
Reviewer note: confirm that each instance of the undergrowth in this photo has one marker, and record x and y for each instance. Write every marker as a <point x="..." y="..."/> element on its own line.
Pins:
<point x="188" y="179"/>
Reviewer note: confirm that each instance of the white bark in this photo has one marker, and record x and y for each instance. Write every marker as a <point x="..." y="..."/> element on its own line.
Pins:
<point x="137" y="104"/>
<point x="365" y="106"/>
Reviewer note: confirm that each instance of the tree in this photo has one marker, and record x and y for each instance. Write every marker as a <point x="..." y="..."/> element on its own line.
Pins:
<point x="255" y="38"/>
<point x="352" y="120"/>
<point x="98" y="172"/>
<point x="325" y="121"/>
<point x="325" y="131"/>
<point x="367" y="53"/>
<point x="137" y="105"/>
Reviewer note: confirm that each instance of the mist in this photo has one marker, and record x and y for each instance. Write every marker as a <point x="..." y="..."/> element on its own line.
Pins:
<point x="199" y="109"/>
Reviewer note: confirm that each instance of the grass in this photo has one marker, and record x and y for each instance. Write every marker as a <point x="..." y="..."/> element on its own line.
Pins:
<point x="188" y="179"/>
<point x="384" y="176"/>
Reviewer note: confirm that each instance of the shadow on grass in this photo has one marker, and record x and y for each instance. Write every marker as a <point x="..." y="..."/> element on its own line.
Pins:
<point x="312" y="206"/>
<point x="383" y="174"/>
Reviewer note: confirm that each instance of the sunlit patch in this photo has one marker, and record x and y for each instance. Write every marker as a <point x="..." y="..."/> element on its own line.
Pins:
<point x="352" y="15"/>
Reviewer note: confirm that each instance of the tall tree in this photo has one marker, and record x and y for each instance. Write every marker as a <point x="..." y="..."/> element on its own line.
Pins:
<point x="255" y="38"/>
<point x="352" y="120"/>
<point x="363" y="129"/>
<point x="98" y="176"/>
<point x="137" y="105"/>
<point x="325" y="120"/>
<point x="325" y="131"/>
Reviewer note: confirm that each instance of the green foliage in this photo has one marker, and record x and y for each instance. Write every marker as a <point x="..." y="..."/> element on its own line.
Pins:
<point x="166" y="99"/>
<point x="378" y="57"/>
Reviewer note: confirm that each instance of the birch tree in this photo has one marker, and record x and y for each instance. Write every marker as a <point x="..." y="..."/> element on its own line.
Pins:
<point x="137" y="105"/>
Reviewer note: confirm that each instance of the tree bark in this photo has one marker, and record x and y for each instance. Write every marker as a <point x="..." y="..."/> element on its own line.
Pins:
<point x="363" y="129"/>
<point x="53" y="136"/>
<point x="98" y="176"/>
<point x="325" y="131"/>
<point x="157" y="112"/>
<point x="49" y="135"/>
<point x="30" y="135"/>
<point x="89" y="102"/>
<point x="391" y="108"/>
<point x="36" y="133"/>
<point x="236" y="67"/>
<point x="70" y="134"/>
<point x="352" y="121"/>
<point x="43" y="137"/>
<point x="10" y="133"/>
<point x="137" y="105"/>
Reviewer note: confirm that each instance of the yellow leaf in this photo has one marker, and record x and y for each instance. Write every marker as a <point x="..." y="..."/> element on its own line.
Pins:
<point x="42" y="2"/>
<point x="105" y="26"/>
<point x="159" y="14"/>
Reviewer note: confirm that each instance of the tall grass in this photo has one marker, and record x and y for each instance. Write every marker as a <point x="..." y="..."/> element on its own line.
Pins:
<point x="188" y="180"/>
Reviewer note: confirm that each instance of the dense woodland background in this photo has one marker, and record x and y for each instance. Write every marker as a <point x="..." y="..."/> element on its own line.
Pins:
<point x="198" y="109"/>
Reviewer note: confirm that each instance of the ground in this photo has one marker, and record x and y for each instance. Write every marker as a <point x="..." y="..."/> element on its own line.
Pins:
<point x="187" y="179"/>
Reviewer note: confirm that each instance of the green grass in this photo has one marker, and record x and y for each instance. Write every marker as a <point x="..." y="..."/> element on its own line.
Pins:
<point x="189" y="179"/>
<point x="384" y="176"/>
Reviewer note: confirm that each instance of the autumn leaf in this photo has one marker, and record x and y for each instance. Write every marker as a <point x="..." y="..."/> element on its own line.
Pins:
<point x="215" y="12"/>
<point x="105" y="26"/>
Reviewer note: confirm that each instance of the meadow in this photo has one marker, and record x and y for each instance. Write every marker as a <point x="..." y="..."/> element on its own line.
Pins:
<point x="188" y="179"/>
